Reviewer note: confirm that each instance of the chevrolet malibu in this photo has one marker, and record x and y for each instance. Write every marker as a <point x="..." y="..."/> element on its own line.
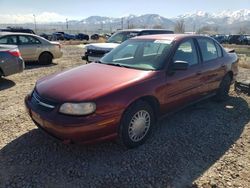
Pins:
<point x="124" y="94"/>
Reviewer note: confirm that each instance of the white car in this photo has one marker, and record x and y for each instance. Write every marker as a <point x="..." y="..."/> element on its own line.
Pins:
<point x="95" y="51"/>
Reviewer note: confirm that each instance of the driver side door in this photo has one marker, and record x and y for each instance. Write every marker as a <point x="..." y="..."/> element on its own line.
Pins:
<point x="184" y="86"/>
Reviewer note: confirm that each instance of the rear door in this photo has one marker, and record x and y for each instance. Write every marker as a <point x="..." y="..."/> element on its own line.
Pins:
<point x="184" y="86"/>
<point x="213" y="68"/>
<point x="29" y="47"/>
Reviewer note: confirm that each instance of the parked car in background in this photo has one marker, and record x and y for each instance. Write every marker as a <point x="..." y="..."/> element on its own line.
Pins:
<point x="244" y="39"/>
<point x="46" y="36"/>
<point x="82" y="36"/>
<point x="234" y="39"/>
<point x="93" y="52"/>
<point x="220" y="38"/>
<point x="95" y="36"/>
<point x="129" y="89"/>
<point x="33" y="47"/>
<point x="69" y="36"/>
<point x="107" y="35"/>
<point x="10" y="60"/>
<point x="17" y="30"/>
<point x="57" y="36"/>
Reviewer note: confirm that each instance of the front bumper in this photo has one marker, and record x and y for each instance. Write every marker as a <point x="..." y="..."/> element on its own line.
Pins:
<point x="90" y="130"/>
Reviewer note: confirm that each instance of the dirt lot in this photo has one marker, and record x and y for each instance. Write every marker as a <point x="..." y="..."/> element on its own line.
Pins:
<point x="205" y="145"/>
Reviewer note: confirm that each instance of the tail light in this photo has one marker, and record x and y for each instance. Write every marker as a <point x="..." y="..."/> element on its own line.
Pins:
<point x="15" y="52"/>
<point x="59" y="45"/>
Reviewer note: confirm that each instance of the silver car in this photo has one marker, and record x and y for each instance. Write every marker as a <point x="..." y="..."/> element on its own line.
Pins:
<point x="33" y="47"/>
<point x="10" y="60"/>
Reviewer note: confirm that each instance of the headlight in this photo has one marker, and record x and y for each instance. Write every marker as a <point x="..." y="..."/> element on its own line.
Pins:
<point x="78" y="108"/>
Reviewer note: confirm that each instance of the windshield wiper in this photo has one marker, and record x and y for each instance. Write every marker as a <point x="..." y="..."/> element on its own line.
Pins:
<point x="118" y="65"/>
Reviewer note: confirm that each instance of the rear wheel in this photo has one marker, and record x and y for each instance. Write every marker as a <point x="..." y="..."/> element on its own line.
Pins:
<point x="136" y="124"/>
<point x="223" y="90"/>
<point x="45" y="58"/>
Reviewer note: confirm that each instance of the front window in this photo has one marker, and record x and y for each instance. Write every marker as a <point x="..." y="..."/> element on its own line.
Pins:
<point x="121" y="36"/>
<point x="186" y="52"/>
<point x="139" y="54"/>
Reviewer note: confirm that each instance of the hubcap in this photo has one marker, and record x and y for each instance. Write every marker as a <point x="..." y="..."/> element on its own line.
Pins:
<point x="139" y="125"/>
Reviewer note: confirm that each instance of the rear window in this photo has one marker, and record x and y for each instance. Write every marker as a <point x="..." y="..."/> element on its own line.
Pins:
<point x="208" y="49"/>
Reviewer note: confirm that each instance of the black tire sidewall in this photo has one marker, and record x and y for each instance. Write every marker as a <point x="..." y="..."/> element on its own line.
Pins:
<point x="222" y="92"/>
<point x="127" y="116"/>
<point x="45" y="58"/>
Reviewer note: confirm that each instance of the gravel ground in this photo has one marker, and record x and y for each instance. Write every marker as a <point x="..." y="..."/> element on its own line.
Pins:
<point x="205" y="145"/>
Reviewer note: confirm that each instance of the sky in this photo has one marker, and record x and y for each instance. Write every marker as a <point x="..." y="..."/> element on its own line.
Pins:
<point x="16" y="11"/>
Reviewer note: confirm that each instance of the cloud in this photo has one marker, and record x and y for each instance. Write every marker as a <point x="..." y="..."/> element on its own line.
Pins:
<point x="44" y="17"/>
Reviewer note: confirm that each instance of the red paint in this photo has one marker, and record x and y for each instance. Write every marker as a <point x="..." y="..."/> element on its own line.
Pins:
<point x="113" y="89"/>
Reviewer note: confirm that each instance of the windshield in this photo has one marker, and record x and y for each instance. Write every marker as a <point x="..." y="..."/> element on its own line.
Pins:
<point x="139" y="54"/>
<point x="122" y="36"/>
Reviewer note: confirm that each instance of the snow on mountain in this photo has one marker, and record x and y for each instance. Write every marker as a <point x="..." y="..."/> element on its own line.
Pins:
<point x="226" y="21"/>
<point x="225" y="15"/>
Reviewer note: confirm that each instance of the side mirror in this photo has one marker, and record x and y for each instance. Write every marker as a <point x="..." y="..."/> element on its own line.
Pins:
<point x="180" y="65"/>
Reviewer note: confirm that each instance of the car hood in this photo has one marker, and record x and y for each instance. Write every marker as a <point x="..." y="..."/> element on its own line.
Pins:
<point x="102" y="46"/>
<point x="88" y="82"/>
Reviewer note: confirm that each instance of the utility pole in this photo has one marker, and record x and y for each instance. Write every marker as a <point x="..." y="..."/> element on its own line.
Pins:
<point x="122" y="22"/>
<point x="35" y="22"/>
<point x="102" y="26"/>
<point x="67" y="24"/>
<point x="128" y="24"/>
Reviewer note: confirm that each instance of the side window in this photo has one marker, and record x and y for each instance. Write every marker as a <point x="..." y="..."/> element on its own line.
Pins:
<point x="186" y="52"/>
<point x="28" y="40"/>
<point x="33" y="40"/>
<point x="23" y="40"/>
<point x="208" y="49"/>
<point x="218" y="48"/>
<point x="8" y="40"/>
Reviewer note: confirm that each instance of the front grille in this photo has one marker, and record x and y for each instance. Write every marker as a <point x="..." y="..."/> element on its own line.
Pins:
<point x="42" y="103"/>
<point x="91" y="52"/>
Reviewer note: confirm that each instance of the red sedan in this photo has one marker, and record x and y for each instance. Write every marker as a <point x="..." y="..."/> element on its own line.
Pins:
<point x="123" y="95"/>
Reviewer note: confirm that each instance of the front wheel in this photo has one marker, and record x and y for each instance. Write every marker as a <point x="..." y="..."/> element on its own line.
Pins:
<point x="136" y="124"/>
<point x="223" y="90"/>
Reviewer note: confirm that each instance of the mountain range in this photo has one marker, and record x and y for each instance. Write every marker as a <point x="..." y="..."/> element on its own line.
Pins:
<point x="227" y="21"/>
<point x="223" y="22"/>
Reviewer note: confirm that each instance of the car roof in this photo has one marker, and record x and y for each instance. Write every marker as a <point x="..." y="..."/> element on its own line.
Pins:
<point x="15" y="33"/>
<point x="139" y="30"/>
<point x="171" y="37"/>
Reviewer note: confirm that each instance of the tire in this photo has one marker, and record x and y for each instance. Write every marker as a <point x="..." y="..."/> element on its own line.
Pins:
<point x="45" y="58"/>
<point x="136" y="125"/>
<point x="222" y="92"/>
